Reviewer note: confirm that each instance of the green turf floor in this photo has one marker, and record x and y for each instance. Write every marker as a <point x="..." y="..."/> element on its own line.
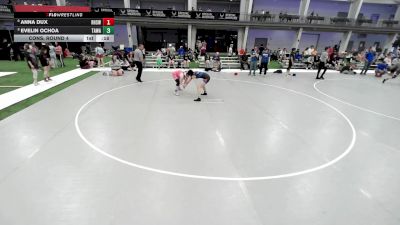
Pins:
<point x="32" y="100"/>
<point x="23" y="76"/>
<point x="274" y="65"/>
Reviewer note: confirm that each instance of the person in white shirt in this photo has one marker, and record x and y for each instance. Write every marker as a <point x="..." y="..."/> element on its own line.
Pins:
<point x="230" y="50"/>
<point x="53" y="56"/>
<point x="388" y="59"/>
<point x="310" y="59"/>
<point x="100" y="55"/>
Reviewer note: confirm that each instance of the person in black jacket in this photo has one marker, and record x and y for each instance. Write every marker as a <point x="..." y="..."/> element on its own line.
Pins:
<point x="44" y="59"/>
<point x="5" y="48"/>
<point x="291" y="62"/>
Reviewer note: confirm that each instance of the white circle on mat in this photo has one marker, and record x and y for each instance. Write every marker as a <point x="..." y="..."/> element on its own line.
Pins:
<point x="351" y="104"/>
<point x="194" y="176"/>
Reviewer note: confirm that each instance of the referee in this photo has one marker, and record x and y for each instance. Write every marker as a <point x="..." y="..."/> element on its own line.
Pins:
<point x="138" y="60"/>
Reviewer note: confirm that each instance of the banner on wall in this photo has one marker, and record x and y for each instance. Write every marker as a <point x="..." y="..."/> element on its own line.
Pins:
<point x="170" y="14"/>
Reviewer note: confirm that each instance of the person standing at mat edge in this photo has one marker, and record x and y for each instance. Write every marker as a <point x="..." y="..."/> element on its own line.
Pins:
<point x="323" y="60"/>
<point x="264" y="61"/>
<point x="32" y="63"/>
<point x="369" y="59"/>
<point x="291" y="62"/>
<point x="253" y="62"/>
<point x="138" y="59"/>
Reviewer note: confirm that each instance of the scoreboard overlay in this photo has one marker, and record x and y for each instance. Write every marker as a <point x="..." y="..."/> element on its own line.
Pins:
<point x="64" y="27"/>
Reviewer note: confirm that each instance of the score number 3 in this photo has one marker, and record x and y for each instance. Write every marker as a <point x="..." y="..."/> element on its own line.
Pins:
<point x="108" y="25"/>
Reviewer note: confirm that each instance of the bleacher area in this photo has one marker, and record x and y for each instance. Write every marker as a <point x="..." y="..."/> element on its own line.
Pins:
<point x="151" y="62"/>
<point x="301" y="65"/>
<point x="228" y="62"/>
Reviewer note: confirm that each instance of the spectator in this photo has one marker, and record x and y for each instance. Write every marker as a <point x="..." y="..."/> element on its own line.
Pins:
<point x="242" y="52"/>
<point x="190" y="55"/>
<point x="381" y="69"/>
<point x="181" y="51"/>
<point x="261" y="49"/>
<point x="315" y="58"/>
<point x="86" y="49"/>
<point x="203" y="50"/>
<point x="84" y="62"/>
<point x="44" y="61"/>
<point x="99" y="51"/>
<point x="171" y="60"/>
<point x="256" y="49"/>
<point x="331" y="53"/>
<point x="116" y="69"/>
<point x="307" y="58"/>
<point x="265" y="59"/>
<point x="125" y="65"/>
<point x="196" y="54"/>
<point x="360" y="56"/>
<point x="66" y="53"/>
<point x="388" y="59"/>
<point x="348" y="69"/>
<point x="274" y="56"/>
<point x="230" y="50"/>
<point x="53" y="56"/>
<point x="204" y="43"/>
<point x="5" y="48"/>
<point x="284" y="53"/>
<point x="59" y="53"/>
<point x="217" y="62"/>
<point x="186" y="61"/>
<point x="348" y="57"/>
<point x="159" y="59"/>
<point x="16" y="51"/>
<point x="244" y="61"/>
<point x="129" y="57"/>
<point x="298" y="56"/>
<point x="291" y="62"/>
<point x="253" y="62"/>
<point x="208" y="65"/>
<point x="323" y="64"/>
<point x="172" y="49"/>
<point x="32" y="63"/>
<point x="369" y="59"/>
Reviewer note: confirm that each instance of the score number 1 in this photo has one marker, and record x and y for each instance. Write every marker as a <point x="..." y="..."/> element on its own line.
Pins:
<point x="108" y="25"/>
<point x="108" y="21"/>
